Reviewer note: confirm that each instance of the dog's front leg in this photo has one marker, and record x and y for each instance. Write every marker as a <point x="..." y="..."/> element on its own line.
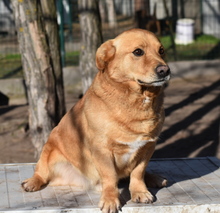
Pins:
<point x="104" y="162"/>
<point x="137" y="187"/>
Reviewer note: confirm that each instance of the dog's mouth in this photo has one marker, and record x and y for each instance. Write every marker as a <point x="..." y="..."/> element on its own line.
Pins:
<point x="159" y="82"/>
<point x="153" y="83"/>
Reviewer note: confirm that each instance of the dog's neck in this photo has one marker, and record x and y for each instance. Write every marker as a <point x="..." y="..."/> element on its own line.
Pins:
<point x="151" y="91"/>
<point x="127" y="87"/>
<point x="129" y="94"/>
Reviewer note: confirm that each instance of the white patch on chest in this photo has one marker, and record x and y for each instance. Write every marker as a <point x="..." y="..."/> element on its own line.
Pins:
<point x="134" y="146"/>
<point x="146" y="100"/>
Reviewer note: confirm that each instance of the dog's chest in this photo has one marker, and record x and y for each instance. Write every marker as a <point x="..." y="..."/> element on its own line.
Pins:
<point x="131" y="150"/>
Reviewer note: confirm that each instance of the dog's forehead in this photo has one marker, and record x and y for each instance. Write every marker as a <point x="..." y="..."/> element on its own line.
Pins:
<point x="135" y="39"/>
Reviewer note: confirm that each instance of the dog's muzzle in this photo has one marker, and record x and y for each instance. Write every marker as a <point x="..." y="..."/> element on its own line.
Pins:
<point x="162" y="71"/>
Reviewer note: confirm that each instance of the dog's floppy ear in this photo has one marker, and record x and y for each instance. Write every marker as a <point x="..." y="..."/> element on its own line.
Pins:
<point x="104" y="54"/>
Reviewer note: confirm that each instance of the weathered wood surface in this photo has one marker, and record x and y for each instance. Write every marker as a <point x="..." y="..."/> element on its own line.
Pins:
<point x="194" y="186"/>
<point x="39" y="47"/>
<point x="91" y="34"/>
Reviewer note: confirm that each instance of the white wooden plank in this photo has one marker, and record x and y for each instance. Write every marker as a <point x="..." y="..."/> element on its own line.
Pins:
<point x="94" y="197"/>
<point x="49" y="197"/>
<point x="197" y="178"/>
<point x="207" y="180"/>
<point x="217" y="172"/>
<point x="191" y="181"/>
<point x="215" y="161"/>
<point x="176" y="189"/>
<point x="65" y="196"/>
<point x="208" y="172"/>
<point x="213" y="181"/>
<point x="45" y="197"/>
<point x="195" y="192"/>
<point x="163" y="195"/>
<point x="26" y="171"/>
<point x="3" y="189"/>
<point x="15" y="193"/>
<point x="208" y="166"/>
<point x="31" y="199"/>
<point x="82" y="198"/>
<point x="214" y="167"/>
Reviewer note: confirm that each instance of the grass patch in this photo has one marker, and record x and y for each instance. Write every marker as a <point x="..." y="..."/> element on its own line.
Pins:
<point x="72" y="58"/>
<point x="204" y="47"/>
<point x="206" y="39"/>
<point x="10" y="66"/>
<point x="11" y="57"/>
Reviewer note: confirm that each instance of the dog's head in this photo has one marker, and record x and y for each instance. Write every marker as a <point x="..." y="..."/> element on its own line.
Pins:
<point x="135" y="55"/>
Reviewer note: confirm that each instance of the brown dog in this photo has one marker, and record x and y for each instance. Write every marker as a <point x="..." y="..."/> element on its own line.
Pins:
<point x="112" y="131"/>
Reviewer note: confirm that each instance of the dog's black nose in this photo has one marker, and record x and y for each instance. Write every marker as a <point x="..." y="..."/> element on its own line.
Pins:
<point x="162" y="71"/>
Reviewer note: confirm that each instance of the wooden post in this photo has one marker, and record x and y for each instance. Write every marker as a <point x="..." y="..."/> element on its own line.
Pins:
<point x="91" y="34"/>
<point x="38" y="41"/>
<point x="112" y="20"/>
<point x="171" y="30"/>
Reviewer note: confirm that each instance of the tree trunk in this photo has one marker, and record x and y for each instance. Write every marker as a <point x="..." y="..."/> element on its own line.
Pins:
<point x="111" y="14"/>
<point x="38" y="41"/>
<point x="91" y="39"/>
<point x="103" y="11"/>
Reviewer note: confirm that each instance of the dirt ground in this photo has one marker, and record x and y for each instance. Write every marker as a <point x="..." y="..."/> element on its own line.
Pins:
<point x="191" y="127"/>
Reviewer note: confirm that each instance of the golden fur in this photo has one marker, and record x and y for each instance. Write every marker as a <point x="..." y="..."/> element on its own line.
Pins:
<point x="112" y="131"/>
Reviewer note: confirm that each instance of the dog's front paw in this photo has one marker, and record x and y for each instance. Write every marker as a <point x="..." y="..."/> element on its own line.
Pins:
<point x="32" y="184"/>
<point x="142" y="197"/>
<point x="110" y="203"/>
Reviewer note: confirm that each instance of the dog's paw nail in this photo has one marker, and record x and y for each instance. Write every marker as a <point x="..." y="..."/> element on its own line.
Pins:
<point x="22" y="184"/>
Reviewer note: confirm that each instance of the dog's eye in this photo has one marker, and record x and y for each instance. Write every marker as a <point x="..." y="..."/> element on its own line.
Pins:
<point x="161" y="51"/>
<point x="138" y="52"/>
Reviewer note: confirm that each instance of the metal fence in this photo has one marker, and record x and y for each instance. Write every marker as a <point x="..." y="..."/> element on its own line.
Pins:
<point x="198" y="39"/>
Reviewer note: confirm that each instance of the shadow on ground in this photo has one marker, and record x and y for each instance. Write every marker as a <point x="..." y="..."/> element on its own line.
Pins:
<point x="205" y="141"/>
